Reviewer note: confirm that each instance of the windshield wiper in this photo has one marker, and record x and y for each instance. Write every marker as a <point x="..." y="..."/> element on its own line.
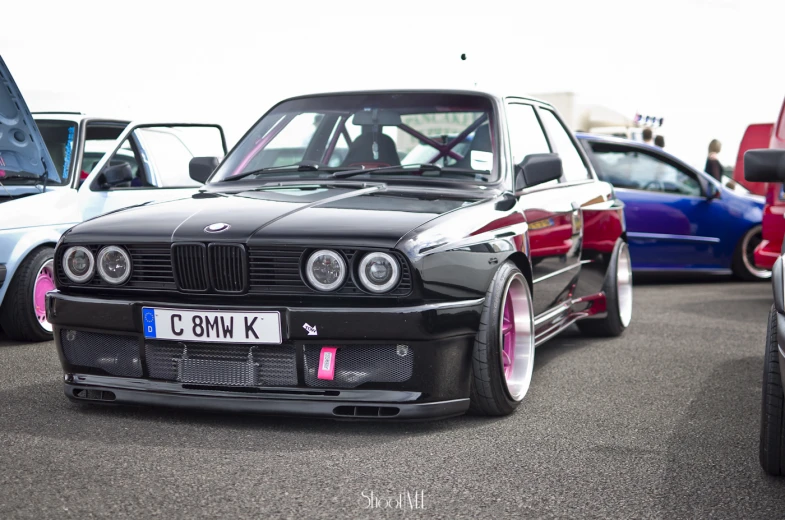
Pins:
<point x="297" y="167"/>
<point x="15" y="176"/>
<point x="419" y="167"/>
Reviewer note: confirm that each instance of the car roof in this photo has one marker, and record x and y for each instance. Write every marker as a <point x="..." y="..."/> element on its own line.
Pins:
<point x="73" y="116"/>
<point x="499" y="96"/>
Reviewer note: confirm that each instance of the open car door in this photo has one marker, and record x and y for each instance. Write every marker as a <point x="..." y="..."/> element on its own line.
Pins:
<point x="149" y="162"/>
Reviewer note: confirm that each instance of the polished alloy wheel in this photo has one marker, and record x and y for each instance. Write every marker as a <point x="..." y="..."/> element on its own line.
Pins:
<point x="752" y="239"/>
<point x="624" y="285"/>
<point x="516" y="332"/>
<point x="44" y="283"/>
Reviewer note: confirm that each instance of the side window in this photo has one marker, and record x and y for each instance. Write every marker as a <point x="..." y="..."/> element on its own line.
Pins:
<point x="574" y="168"/>
<point x="526" y="134"/>
<point x="632" y="169"/>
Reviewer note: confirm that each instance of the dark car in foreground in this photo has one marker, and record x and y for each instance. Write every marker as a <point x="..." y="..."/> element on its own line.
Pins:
<point x="768" y="165"/>
<point x="679" y="218"/>
<point x="359" y="288"/>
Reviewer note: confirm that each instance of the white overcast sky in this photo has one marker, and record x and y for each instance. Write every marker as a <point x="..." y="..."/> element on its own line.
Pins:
<point x="709" y="67"/>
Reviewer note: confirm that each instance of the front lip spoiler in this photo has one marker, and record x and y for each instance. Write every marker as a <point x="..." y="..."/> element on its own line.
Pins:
<point x="335" y="409"/>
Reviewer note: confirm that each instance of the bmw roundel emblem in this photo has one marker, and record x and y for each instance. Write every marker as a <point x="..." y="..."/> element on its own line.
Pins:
<point x="217" y="227"/>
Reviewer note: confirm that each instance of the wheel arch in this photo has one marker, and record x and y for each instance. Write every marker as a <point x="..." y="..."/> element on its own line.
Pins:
<point x="25" y="246"/>
<point x="522" y="262"/>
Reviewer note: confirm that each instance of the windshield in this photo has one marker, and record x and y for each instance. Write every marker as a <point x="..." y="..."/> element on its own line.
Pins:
<point x="60" y="138"/>
<point x="368" y="131"/>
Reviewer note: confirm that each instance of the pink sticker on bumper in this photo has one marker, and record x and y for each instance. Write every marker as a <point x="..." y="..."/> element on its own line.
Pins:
<point x="327" y="363"/>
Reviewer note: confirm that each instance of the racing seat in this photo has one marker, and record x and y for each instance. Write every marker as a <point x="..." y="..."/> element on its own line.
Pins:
<point x="480" y="143"/>
<point x="361" y="151"/>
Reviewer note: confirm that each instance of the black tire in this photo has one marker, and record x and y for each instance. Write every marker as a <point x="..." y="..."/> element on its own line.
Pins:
<point x="611" y="325"/>
<point x="772" y="426"/>
<point x="489" y="393"/>
<point x="743" y="265"/>
<point x="17" y="315"/>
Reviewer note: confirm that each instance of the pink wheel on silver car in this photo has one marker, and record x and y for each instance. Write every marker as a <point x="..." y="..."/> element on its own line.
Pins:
<point x="44" y="283"/>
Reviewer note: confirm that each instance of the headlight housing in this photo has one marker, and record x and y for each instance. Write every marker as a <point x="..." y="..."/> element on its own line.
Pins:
<point x="379" y="272"/>
<point x="78" y="264"/>
<point x="325" y="270"/>
<point x="114" y="265"/>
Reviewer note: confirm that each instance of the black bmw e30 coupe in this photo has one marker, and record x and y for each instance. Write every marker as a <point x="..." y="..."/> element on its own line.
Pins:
<point x="385" y="254"/>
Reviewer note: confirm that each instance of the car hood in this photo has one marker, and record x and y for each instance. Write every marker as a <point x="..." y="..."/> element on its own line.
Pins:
<point x="329" y="216"/>
<point x="22" y="148"/>
<point x="56" y="206"/>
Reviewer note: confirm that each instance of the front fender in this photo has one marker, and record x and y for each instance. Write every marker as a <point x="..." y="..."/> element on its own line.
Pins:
<point x="16" y="245"/>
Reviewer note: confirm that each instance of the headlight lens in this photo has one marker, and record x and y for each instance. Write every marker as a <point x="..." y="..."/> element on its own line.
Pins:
<point x="78" y="264"/>
<point x="114" y="265"/>
<point x="379" y="272"/>
<point x="326" y="270"/>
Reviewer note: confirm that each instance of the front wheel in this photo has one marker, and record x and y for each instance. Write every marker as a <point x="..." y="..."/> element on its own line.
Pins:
<point x="618" y="296"/>
<point x="744" y="257"/>
<point x="503" y="356"/>
<point x="23" y="314"/>
<point x="772" y="426"/>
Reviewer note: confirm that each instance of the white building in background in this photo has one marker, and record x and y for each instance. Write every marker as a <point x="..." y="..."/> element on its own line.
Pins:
<point x="596" y="119"/>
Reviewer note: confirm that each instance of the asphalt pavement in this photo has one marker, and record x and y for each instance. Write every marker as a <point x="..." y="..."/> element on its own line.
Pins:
<point x="660" y="423"/>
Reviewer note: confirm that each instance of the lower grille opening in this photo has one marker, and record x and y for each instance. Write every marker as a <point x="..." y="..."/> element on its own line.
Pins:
<point x="115" y="354"/>
<point x="210" y="365"/>
<point x="93" y="395"/>
<point x="359" y="364"/>
<point x="366" y="411"/>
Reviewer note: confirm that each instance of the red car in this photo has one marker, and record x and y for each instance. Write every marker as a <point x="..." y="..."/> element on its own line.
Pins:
<point x="770" y="247"/>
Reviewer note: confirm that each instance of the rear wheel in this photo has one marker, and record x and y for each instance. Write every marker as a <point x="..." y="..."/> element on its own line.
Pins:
<point x="23" y="314"/>
<point x="744" y="257"/>
<point x="772" y="426"/>
<point x="618" y="297"/>
<point x="503" y="356"/>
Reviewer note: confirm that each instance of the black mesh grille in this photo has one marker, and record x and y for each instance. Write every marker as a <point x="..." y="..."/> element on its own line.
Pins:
<point x="190" y="266"/>
<point x="228" y="267"/>
<point x="358" y="364"/>
<point x="116" y="355"/>
<point x="221" y="364"/>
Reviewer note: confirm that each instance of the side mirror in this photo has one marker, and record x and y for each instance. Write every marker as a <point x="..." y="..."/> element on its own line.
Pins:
<point x="117" y="174"/>
<point x="538" y="168"/>
<point x="764" y="165"/>
<point x="200" y="168"/>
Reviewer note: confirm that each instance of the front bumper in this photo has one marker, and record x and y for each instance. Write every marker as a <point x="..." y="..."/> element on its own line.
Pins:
<point x="438" y="336"/>
<point x="766" y="254"/>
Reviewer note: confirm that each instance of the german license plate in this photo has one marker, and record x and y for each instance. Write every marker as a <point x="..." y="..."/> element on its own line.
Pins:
<point x="212" y="326"/>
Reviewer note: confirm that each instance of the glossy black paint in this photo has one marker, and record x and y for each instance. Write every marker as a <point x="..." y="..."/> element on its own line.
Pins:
<point x="453" y="235"/>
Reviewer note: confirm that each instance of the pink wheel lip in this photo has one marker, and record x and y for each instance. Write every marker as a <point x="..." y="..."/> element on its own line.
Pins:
<point x="508" y="338"/>
<point x="44" y="283"/>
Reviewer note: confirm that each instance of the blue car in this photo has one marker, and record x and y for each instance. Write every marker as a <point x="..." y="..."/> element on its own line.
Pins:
<point x="679" y="218"/>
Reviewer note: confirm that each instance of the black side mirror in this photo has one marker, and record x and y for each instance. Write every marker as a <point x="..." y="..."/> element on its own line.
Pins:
<point x="117" y="174"/>
<point x="200" y="168"/>
<point x="538" y="168"/>
<point x="764" y="165"/>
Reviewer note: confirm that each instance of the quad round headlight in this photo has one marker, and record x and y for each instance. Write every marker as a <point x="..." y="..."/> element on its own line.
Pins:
<point x="78" y="264"/>
<point x="114" y="265"/>
<point x="379" y="272"/>
<point x="325" y="270"/>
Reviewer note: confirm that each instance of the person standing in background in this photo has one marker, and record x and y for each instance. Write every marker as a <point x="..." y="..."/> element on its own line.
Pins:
<point x="659" y="141"/>
<point x="713" y="166"/>
<point x="647" y="135"/>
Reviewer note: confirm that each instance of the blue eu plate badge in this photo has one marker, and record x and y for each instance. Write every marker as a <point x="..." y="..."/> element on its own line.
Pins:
<point x="148" y="316"/>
